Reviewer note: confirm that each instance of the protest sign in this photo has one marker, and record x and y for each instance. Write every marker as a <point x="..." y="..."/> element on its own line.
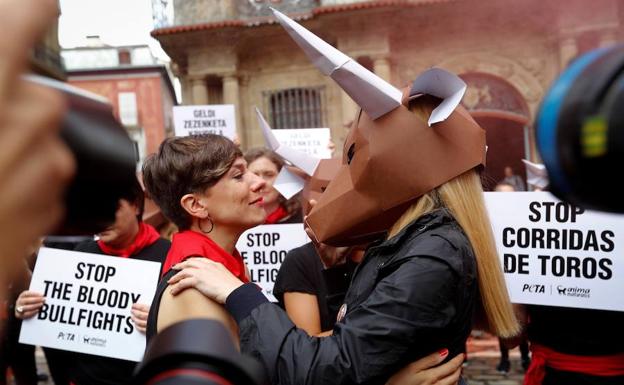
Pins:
<point x="217" y="119"/>
<point x="312" y="141"/>
<point x="264" y="248"/>
<point x="88" y="302"/>
<point x="557" y="254"/>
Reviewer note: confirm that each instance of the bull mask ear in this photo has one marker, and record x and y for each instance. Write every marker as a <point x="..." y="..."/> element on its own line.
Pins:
<point x="374" y="95"/>
<point x="288" y="183"/>
<point x="441" y="84"/>
<point x="302" y="160"/>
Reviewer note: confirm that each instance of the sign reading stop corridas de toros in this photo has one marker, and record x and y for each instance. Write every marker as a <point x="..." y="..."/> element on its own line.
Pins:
<point x="88" y="302"/>
<point x="217" y="119"/>
<point x="557" y="254"/>
<point x="264" y="248"/>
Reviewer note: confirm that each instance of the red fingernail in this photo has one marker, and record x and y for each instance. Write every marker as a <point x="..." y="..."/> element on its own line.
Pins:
<point x="443" y="352"/>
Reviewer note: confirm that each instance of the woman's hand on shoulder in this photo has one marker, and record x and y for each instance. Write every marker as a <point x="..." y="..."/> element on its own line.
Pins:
<point x="28" y="304"/>
<point x="425" y="372"/>
<point x="210" y="278"/>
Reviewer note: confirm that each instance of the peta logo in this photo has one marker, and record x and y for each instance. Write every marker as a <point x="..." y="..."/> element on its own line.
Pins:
<point x="66" y="336"/>
<point x="529" y="288"/>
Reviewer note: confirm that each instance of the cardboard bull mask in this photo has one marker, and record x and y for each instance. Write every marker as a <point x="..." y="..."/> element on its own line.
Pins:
<point x="391" y="157"/>
<point x="305" y="173"/>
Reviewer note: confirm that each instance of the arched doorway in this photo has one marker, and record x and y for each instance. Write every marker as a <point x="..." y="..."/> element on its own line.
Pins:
<point x="502" y="111"/>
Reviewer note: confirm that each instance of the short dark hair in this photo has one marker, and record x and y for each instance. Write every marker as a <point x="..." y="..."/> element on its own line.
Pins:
<point x="186" y="165"/>
<point x="136" y="196"/>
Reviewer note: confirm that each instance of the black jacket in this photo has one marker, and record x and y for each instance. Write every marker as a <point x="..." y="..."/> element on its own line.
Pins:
<point x="411" y="295"/>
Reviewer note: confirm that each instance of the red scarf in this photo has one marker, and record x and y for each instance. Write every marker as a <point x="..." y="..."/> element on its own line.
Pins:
<point x="145" y="237"/>
<point x="542" y="356"/>
<point x="190" y="243"/>
<point x="279" y="213"/>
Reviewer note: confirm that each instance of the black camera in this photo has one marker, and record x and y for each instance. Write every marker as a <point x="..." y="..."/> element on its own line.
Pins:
<point x="196" y="352"/>
<point x="580" y="130"/>
<point x="105" y="158"/>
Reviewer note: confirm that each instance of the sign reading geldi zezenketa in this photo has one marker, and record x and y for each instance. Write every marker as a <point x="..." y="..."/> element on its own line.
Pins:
<point x="554" y="253"/>
<point x="88" y="298"/>
<point x="217" y="119"/>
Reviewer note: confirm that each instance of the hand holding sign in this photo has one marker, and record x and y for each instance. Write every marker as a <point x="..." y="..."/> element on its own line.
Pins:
<point x="140" y="311"/>
<point x="28" y="304"/>
<point x="93" y="303"/>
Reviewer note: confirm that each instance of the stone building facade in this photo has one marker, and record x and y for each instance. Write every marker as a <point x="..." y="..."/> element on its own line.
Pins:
<point x="509" y="52"/>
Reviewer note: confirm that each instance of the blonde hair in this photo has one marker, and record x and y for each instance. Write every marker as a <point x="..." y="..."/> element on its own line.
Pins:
<point x="463" y="197"/>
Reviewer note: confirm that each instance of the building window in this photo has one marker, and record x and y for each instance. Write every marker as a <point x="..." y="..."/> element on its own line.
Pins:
<point x="296" y="107"/>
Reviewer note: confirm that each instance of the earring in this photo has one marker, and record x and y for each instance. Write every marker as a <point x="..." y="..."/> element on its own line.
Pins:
<point x="211" y="226"/>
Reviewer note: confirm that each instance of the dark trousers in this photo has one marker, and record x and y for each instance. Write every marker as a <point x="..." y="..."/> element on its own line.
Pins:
<point x="58" y="362"/>
<point x="524" y="350"/>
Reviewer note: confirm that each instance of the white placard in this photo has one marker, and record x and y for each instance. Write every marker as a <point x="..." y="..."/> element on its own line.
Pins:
<point x="264" y="248"/>
<point x="557" y="254"/>
<point x="205" y="119"/>
<point x="88" y="302"/>
<point x="312" y="141"/>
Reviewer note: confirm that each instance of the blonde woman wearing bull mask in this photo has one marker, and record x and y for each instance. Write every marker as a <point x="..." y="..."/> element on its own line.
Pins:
<point x="409" y="180"/>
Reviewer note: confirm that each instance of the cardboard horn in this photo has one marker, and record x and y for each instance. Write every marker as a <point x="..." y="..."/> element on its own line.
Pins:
<point x="374" y="95"/>
<point x="300" y="159"/>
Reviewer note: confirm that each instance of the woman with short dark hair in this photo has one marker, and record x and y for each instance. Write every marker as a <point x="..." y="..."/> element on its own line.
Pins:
<point x="202" y="184"/>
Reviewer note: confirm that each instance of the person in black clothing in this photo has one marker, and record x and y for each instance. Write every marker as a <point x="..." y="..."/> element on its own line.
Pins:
<point x="301" y="288"/>
<point x="128" y="237"/>
<point x="575" y="346"/>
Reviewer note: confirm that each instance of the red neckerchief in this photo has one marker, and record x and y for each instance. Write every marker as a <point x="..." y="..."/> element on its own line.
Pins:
<point x="279" y="213"/>
<point x="145" y="237"/>
<point x="190" y="243"/>
<point x="541" y="356"/>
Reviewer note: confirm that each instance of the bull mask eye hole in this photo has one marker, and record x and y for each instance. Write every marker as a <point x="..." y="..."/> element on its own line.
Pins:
<point x="350" y="153"/>
<point x="323" y="189"/>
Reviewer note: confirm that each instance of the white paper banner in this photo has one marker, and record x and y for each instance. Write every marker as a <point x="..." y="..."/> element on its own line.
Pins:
<point x="557" y="254"/>
<point x="217" y="119"/>
<point x="88" y="302"/>
<point x="312" y="141"/>
<point x="264" y="248"/>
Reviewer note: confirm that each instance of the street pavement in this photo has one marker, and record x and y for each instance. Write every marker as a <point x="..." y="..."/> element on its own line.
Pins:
<point x="483" y="356"/>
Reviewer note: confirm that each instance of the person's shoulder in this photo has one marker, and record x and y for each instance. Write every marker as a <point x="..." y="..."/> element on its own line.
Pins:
<point x="88" y="246"/>
<point x="157" y="251"/>
<point x="293" y="217"/>
<point x="303" y="256"/>
<point x="446" y="243"/>
<point x="162" y="243"/>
